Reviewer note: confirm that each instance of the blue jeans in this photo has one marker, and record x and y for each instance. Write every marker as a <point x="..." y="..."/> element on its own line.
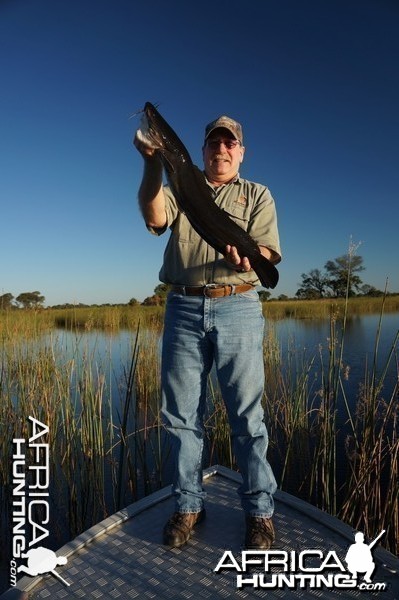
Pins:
<point x="228" y="331"/>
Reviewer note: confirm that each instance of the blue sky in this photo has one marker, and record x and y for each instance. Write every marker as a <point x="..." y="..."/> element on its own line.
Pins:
<point x="314" y="83"/>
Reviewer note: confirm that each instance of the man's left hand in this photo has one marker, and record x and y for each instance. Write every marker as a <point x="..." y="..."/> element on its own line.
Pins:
<point x="232" y="256"/>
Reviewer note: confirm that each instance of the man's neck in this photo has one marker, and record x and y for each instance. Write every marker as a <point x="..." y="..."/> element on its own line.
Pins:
<point x="220" y="183"/>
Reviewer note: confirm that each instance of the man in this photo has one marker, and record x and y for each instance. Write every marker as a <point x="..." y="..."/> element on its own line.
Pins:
<point x="213" y="315"/>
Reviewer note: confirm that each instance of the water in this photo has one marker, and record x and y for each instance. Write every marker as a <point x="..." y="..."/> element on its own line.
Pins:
<point x="112" y="354"/>
<point x="311" y="338"/>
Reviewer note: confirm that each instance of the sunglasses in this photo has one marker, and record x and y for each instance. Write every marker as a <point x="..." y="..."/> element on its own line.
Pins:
<point x="229" y="144"/>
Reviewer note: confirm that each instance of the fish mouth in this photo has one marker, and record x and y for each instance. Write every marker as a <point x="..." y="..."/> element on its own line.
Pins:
<point x="156" y="133"/>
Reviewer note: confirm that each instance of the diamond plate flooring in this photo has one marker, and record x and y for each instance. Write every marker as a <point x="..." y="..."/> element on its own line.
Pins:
<point x="123" y="557"/>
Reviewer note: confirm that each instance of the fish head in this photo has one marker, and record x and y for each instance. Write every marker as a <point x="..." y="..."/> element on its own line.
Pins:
<point x="158" y="134"/>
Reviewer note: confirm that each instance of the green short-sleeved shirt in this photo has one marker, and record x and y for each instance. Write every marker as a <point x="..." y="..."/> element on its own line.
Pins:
<point x="189" y="260"/>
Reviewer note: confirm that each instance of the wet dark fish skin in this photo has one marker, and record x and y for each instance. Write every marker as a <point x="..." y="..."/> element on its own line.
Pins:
<point x="194" y="199"/>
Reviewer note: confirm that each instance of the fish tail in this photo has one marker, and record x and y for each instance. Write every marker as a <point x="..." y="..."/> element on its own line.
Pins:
<point x="266" y="271"/>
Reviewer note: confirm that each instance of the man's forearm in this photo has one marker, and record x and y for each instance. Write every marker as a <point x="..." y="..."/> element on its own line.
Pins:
<point x="151" y="196"/>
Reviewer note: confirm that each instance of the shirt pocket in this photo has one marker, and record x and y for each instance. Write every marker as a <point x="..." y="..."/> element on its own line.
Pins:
<point x="238" y="213"/>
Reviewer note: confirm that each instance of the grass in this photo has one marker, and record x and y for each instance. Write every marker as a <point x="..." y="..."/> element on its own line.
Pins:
<point x="108" y="446"/>
<point x="28" y="323"/>
<point x="324" y="308"/>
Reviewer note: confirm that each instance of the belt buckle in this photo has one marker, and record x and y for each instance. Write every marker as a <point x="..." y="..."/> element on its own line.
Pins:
<point x="210" y="286"/>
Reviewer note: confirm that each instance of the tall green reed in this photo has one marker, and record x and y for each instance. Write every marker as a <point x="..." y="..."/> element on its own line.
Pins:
<point x="73" y="391"/>
<point x="216" y="427"/>
<point x="371" y="500"/>
<point x="288" y="377"/>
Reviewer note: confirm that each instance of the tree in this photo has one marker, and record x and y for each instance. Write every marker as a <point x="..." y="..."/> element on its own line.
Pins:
<point x="153" y="301"/>
<point x="343" y="276"/>
<point x="132" y="302"/>
<point x="264" y="296"/>
<point x="159" y="296"/>
<point x="6" y="301"/>
<point x="370" y="290"/>
<point x="314" y="285"/>
<point x="162" y="290"/>
<point x="30" y="299"/>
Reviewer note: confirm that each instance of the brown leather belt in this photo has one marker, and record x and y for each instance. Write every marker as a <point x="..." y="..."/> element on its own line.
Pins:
<point x="212" y="290"/>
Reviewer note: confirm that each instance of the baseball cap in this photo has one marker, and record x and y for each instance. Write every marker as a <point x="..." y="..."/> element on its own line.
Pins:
<point x="227" y="123"/>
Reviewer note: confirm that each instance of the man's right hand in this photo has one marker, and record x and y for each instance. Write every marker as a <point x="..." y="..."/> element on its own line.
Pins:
<point x="145" y="150"/>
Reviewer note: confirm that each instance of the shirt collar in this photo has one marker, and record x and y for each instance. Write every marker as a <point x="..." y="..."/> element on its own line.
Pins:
<point x="235" y="179"/>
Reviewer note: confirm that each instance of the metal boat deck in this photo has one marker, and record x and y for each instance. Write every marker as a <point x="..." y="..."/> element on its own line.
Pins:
<point x="123" y="556"/>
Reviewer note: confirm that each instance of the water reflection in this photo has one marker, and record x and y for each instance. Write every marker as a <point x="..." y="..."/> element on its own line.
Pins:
<point x="309" y="336"/>
<point x="364" y="341"/>
<point x="364" y="338"/>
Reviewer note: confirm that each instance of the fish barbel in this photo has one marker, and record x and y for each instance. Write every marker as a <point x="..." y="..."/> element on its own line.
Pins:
<point x="194" y="197"/>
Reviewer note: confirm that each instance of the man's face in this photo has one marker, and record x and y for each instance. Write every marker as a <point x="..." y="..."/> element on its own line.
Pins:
<point x="222" y="155"/>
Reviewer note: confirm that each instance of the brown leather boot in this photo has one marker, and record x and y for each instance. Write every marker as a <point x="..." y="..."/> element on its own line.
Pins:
<point x="260" y="533"/>
<point x="179" y="528"/>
